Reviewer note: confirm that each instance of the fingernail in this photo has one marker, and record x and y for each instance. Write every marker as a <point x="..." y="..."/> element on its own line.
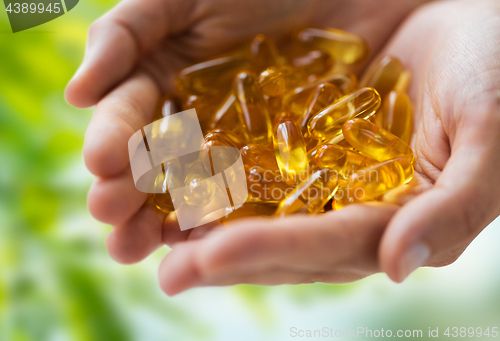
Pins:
<point x="415" y="257"/>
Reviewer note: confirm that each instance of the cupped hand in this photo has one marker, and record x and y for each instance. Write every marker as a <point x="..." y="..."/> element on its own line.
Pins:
<point x="132" y="56"/>
<point x="453" y="51"/>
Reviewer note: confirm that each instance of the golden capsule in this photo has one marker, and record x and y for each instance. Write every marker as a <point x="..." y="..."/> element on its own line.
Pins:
<point x="311" y="195"/>
<point x="171" y="176"/>
<point x="205" y="108"/>
<point x="199" y="187"/>
<point x="374" y="141"/>
<point x="327" y="124"/>
<point x="372" y="182"/>
<point x="341" y="45"/>
<point x="223" y="157"/>
<point x="212" y="77"/>
<point x="276" y="80"/>
<point x="329" y="156"/>
<point x="226" y="114"/>
<point x="324" y="95"/>
<point x="166" y="106"/>
<point x="275" y="105"/>
<point x="345" y="82"/>
<point x="266" y="185"/>
<point x="312" y="63"/>
<point x="252" y="109"/>
<point x="383" y="75"/>
<point x="295" y="100"/>
<point x="396" y="116"/>
<point x="257" y="155"/>
<point x="354" y="161"/>
<point x="250" y="209"/>
<point x="291" y="153"/>
<point x="281" y="117"/>
<point x="263" y="52"/>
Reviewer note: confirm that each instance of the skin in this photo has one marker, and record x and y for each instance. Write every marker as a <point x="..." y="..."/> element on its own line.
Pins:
<point x="451" y="47"/>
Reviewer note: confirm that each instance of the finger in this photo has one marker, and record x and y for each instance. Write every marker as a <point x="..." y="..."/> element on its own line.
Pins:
<point x="437" y="226"/>
<point x="119" y="115"/>
<point x="118" y="40"/>
<point x="138" y="237"/>
<point x="115" y="200"/>
<point x="337" y="241"/>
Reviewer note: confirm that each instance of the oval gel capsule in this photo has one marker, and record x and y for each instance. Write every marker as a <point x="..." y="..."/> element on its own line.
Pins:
<point x="372" y="182"/>
<point x="327" y="124"/>
<point x="291" y="153"/>
<point x="374" y="141"/>
<point x="252" y="109"/>
<point x="311" y="195"/>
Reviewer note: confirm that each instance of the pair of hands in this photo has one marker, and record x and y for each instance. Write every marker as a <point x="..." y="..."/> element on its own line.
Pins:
<point x="452" y="49"/>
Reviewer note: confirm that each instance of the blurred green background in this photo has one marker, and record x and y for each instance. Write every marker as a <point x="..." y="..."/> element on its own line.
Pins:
<point x="58" y="283"/>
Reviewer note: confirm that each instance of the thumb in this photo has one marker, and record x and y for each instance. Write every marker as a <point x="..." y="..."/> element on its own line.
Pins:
<point x="435" y="227"/>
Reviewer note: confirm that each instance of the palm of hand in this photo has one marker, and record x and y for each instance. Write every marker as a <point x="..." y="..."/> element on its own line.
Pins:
<point x="337" y="247"/>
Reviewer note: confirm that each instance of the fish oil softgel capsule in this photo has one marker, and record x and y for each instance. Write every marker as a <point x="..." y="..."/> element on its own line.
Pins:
<point x="374" y="141"/>
<point x="341" y="45"/>
<point x="291" y="153"/>
<point x="306" y="131"/>
<point x="383" y="75"/>
<point x="396" y="116"/>
<point x="372" y="182"/>
<point x="253" y="111"/>
<point x="327" y="124"/>
<point x="311" y="195"/>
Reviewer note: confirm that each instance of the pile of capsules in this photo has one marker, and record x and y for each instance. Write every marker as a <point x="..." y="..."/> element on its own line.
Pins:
<point x="311" y="137"/>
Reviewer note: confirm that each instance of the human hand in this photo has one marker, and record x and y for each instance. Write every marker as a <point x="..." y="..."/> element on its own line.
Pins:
<point x="133" y="54"/>
<point x="452" y="49"/>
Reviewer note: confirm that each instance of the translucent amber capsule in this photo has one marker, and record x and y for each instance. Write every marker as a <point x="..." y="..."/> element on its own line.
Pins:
<point x="251" y="209"/>
<point x="266" y="185"/>
<point x="252" y="109"/>
<point x="343" y="46"/>
<point x="327" y="124"/>
<point x="221" y="138"/>
<point x="281" y="117"/>
<point x="314" y="62"/>
<point x="236" y="139"/>
<point x="276" y="80"/>
<point x="275" y="105"/>
<point x="264" y="53"/>
<point x="206" y="107"/>
<point x="225" y="115"/>
<point x="372" y="182"/>
<point x="166" y="106"/>
<point x="396" y="116"/>
<point x="383" y="75"/>
<point x="354" y="161"/>
<point x="257" y="155"/>
<point x="324" y="95"/>
<point x="213" y="77"/>
<point x="374" y="141"/>
<point x="198" y="192"/>
<point x="311" y="195"/>
<point x="291" y="153"/>
<point x="171" y="176"/>
<point x="329" y="156"/>
<point x="344" y="82"/>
